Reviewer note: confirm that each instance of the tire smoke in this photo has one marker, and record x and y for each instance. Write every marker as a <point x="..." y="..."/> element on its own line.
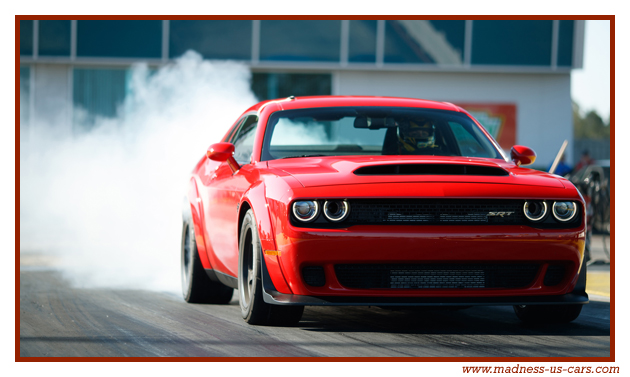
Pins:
<point x="107" y="202"/>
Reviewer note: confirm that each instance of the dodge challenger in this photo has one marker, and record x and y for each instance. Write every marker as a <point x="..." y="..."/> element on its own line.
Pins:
<point x="379" y="201"/>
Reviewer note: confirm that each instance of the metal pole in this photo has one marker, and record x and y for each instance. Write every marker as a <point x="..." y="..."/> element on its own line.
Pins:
<point x="558" y="157"/>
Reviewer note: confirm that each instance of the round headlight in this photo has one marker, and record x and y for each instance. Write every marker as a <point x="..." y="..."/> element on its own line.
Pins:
<point x="305" y="210"/>
<point x="535" y="210"/>
<point x="564" y="211"/>
<point x="336" y="210"/>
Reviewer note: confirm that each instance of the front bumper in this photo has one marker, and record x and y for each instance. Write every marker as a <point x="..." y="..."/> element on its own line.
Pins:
<point x="300" y="247"/>
<point x="272" y="296"/>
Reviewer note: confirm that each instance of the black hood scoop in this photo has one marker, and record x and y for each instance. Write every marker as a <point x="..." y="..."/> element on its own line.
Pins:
<point x="430" y="169"/>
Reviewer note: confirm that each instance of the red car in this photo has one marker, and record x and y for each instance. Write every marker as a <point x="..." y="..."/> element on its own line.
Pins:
<point x="378" y="201"/>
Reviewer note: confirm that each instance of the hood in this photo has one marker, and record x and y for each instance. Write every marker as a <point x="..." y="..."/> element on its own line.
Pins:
<point x="347" y="170"/>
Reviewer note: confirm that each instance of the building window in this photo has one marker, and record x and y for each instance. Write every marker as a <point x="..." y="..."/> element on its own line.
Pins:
<point x="54" y="38"/>
<point x="300" y="40"/>
<point x="362" y="45"/>
<point x="97" y="93"/>
<point x="25" y="95"/>
<point x="565" y="43"/>
<point x="26" y="37"/>
<point x="281" y="85"/>
<point x="424" y="41"/>
<point x="119" y="38"/>
<point x="522" y="42"/>
<point x="212" y="39"/>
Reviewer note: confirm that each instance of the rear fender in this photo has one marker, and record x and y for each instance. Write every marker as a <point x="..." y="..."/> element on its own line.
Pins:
<point x="196" y="213"/>
<point x="255" y="198"/>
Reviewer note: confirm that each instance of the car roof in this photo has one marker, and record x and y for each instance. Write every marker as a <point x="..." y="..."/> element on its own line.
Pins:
<point x="341" y="101"/>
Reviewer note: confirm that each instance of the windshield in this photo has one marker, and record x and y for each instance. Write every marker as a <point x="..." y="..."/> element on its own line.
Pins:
<point x="343" y="131"/>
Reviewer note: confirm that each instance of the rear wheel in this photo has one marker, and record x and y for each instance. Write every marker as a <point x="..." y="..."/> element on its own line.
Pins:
<point x="254" y="309"/>
<point x="547" y="313"/>
<point x="196" y="285"/>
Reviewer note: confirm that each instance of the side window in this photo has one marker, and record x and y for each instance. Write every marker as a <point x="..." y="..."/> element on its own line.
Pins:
<point x="233" y="130"/>
<point x="243" y="140"/>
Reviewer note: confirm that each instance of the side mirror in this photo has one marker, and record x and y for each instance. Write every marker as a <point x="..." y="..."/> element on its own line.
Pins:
<point x="223" y="152"/>
<point x="522" y="155"/>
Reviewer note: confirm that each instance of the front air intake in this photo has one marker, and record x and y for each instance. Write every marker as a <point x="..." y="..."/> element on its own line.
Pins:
<point x="555" y="275"/>
<point x="314" y="276"/>
<point x="436" y="276"/>
<point x="431" y="169"/>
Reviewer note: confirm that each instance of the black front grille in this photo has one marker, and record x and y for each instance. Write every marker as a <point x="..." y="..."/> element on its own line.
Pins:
<point x="314" y="276"/>
<point x="554" y="275"/>
<point x="436" y="276"/>
<point x="432" y="211"/>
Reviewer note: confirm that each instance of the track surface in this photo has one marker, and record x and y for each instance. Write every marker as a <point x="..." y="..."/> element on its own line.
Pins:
<point x="58" y="320"/>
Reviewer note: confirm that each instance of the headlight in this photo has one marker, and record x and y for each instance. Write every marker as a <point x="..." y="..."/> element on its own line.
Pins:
<point x="564" y="211"/>
<point x="305" y="210"/>
<point x="336" y="210"/>
<point x="535" y="210"/>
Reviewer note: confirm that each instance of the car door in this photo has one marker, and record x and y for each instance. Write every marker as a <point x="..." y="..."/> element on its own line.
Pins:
<point x="224" y="195"/>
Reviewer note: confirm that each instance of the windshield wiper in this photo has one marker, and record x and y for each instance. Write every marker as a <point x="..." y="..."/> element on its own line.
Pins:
<point x="306" y="155"/>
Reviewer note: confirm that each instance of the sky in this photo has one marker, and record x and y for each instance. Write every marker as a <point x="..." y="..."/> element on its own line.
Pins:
<point x="590" y="86"/>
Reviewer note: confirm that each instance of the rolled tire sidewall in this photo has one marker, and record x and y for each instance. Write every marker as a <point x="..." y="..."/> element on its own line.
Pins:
<point x="186" y="273"/>
<point x="248" y="225"/>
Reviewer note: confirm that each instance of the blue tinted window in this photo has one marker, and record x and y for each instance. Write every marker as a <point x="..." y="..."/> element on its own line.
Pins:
<point x="25" y="76"/>
<point x="300" y="40"/>
<point x="453" y="33"/>
<point x="25" y="98"/>
<point x="212" y="39"/>
<point x="362" y="46"/>
<point x="54" y="38"/>
<point x="423" y="41"/>
<point x="512" y="42"/>
<point x="97" y="93"/>
<point x="565" y="43"/>
<point x="119" y="38"/>
<point x="26" y="37"/>
<point x="281" y="85"/>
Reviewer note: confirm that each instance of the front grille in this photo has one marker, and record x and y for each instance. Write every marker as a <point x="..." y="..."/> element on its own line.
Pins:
<point x="314" y="276"/>
<point x="432" y="211"/>
<point x="554" y="275"/>
<point x="435" y="276"/>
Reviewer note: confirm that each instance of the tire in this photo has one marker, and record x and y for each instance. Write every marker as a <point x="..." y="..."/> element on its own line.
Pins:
<point x="254" y="309"/>
<point x="587" y="245"/>
<point x="590" y="217"/>
<point x="540" y="314"/>
<point x="196" y="285"/>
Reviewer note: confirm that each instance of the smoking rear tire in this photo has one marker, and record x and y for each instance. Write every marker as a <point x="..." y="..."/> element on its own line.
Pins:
<point x="547" y="313"/>
<point x="196" y="285"/>
<point x="254" y="309"/>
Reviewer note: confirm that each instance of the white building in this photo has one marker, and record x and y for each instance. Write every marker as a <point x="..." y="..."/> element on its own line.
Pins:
<point x="513" y="75"/>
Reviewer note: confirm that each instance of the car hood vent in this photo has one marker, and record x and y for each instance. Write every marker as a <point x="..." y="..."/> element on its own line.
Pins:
<point x="430" y="169"/>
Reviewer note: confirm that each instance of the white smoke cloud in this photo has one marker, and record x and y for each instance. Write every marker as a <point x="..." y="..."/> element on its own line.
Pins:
<point x="108" y="202"/>
<point x="288" y="132"/>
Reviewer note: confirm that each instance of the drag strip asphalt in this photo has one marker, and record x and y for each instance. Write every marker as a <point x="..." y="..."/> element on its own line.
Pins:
<point x="59" y="320"/>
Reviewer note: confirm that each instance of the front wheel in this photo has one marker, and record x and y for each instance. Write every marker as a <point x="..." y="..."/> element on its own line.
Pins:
<point x="254" y="309"/>
<point x="547" y="313"/>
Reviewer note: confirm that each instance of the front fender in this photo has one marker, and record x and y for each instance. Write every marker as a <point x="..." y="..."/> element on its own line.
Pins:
<point x="256" y="200"/>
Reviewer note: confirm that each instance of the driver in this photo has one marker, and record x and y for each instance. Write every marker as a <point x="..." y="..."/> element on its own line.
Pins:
<point x="416" y="134"/>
